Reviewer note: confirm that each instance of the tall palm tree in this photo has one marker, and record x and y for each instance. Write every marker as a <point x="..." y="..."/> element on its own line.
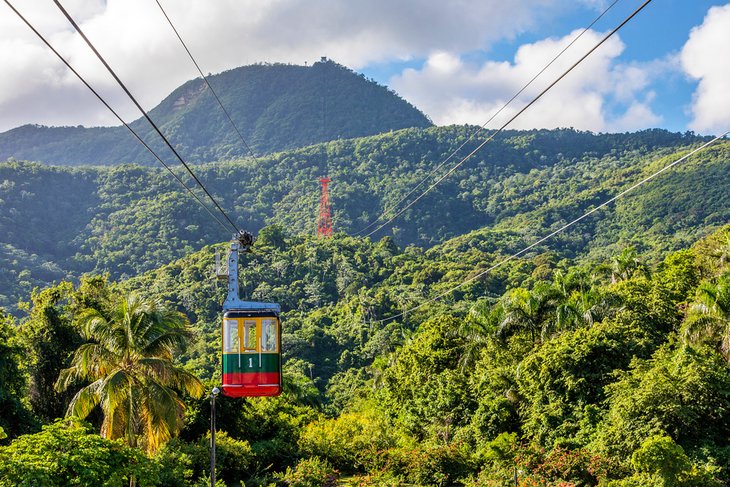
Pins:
<point x="529" y="310"/>
<point x="625" y="265"/>
<point x="129" y="362"/>
<point x="573" y="280"/>
<point x="708" y="318"/>
<point x="721" y="252"/>
<point x="479" y="326"/>
<point x="583" y="308"/>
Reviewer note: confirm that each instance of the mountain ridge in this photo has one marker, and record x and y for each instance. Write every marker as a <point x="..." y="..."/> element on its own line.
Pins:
<point x="276" y="107"/>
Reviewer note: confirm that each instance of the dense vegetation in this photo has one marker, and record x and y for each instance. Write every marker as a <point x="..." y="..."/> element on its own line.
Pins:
<point x="276" y="107"/>
<point x="614" y="373"/>
<point x="59" y="222"/>
<point x="600" y="358"/>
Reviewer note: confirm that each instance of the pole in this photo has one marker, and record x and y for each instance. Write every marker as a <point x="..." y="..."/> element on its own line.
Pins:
<point x="213" y="395"/>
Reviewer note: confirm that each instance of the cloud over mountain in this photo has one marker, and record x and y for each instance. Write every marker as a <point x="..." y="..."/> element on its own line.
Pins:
<point x="135" y="38"/>
<point x="704" y="57"/>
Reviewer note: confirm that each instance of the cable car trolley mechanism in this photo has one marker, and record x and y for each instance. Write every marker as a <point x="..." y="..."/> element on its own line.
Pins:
<point x="251" y="356"/>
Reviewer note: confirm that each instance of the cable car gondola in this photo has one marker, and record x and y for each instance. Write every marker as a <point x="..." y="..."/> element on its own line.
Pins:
<point x="251" y="355"/>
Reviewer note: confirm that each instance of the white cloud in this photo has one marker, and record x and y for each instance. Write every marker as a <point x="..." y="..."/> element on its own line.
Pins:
<point x="138" y="43"/>
<point x="600" y="94"/>
<point x="704" y="57"/>
<point x="638" y="116"/>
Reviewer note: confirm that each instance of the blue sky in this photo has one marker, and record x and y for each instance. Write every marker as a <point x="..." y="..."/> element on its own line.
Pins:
<point x="656" y="35"/>
<point x="661" y="30"/>
<point x="457" y="61"/>
<point x="647" y="37"/>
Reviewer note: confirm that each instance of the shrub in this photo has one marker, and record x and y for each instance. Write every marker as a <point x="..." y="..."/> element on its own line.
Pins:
<point x="535" y="466"/>
<point x="183" y="463"/>
<point x="426" y="464"/>
<point x="68" y="453"/>
<point x="349" y="442"/>
<point x="311" y="472"/>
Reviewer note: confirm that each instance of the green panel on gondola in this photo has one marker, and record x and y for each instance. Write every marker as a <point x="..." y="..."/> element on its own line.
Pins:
<point x="249" y="362"/>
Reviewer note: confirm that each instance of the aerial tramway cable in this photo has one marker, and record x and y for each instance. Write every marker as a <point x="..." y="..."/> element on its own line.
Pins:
<point x="144" y="113"/>
<point x="251" y="353"/>
<point x="520" y="112"/>
<point x="228" y="115"/>
<point x="484" y="125"/>
<point x="251" y="331"/>
<point x="102" y="100"/>
<point x="559" y="230"/>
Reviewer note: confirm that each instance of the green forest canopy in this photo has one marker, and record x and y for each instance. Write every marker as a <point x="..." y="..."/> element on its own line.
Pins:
<point x="60" y="222"/>
<point x="600" y="358"/>
<point x="611" y="373"/>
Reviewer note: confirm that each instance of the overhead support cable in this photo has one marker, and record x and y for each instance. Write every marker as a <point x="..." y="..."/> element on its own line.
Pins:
<point x="144" y="113"/>
<point x="520" y="112"/>
<point x="559" y="230"/>
<point x="104" y="102"/>
<point x="484" y="125"/>
<point x="205" y="78"/>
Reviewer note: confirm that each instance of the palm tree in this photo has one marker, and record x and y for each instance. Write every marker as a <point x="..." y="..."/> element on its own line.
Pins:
<point x="529" y="310"/>
<point x="625" y="265"/>
<point x="584" y="308"/>
<point x="477" y="329"/>
<point x="708" y="318"/>
<point x="723" y="251"/>
<point x="129" y="362"/>
<point x="573" y="280"/>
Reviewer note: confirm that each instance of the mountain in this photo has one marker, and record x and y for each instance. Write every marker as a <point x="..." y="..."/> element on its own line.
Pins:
<point x="276" y="107"/>
<point x="57" y="222"/>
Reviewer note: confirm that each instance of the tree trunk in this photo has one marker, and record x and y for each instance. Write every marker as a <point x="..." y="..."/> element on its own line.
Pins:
<point x="131" y="439"/>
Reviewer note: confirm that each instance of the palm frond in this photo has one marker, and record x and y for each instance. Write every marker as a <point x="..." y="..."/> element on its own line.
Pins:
<point x="161" y="415"/>
<point x="85" y="400"/>
<point x="168" y="375"/>
<point x="115" y="389"/>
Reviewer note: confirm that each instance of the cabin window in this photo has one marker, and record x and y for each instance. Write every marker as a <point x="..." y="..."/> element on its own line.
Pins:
<point x="249" y="335"/>
<point x="268" y="335"/>
<point x="231" y="341"/>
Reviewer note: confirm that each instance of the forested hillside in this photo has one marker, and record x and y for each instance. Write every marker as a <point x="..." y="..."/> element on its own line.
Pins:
<point x="276" y="107"/>
<point x="59" y="222"/>
<point x="614" y="373"/>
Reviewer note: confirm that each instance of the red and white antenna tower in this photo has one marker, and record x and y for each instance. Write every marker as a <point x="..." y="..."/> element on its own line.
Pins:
<point x="324" y="221"/>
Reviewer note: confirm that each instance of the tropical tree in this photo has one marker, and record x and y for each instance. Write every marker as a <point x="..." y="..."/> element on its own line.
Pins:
<point x="722" y="252"/>
<point x="68" y="453"/>
<point x="49" y="338"/>
<point x="129" y="362"/>
<point x="583" y="308"/>
<point x="529" y="310"/>
<point x="708" y="318"/>
<point x="625" y="265"/>
<point x="477" y="329"/>
<point x="15" y="418"/>
<point x="575" y="279"/>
